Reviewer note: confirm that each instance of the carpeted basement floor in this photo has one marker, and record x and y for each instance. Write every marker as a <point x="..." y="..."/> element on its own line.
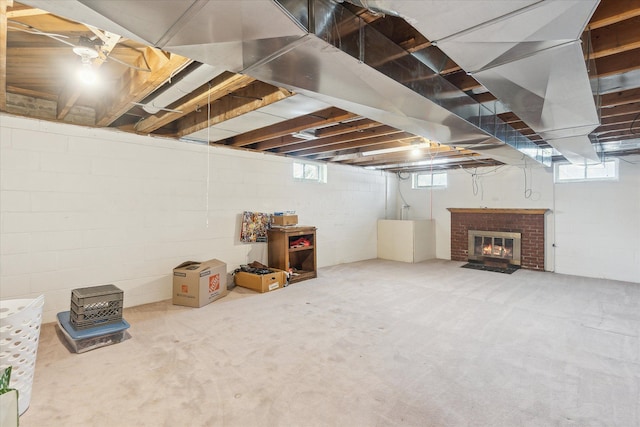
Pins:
<point x="372" y="343"/>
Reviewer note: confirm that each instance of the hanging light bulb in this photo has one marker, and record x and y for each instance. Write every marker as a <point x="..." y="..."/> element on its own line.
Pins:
<point x="86" y="74"/>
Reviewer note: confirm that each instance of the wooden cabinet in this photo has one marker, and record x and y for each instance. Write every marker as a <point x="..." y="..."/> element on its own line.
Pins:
<point x="293" y="249"/>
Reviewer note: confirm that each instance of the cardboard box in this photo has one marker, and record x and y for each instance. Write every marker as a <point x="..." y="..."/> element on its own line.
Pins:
<point x="284" y="220"/>
<point x="198" y="283"/>
<point x="261" y="282"/>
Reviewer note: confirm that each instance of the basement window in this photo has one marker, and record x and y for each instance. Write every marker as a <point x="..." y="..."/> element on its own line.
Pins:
<point x="313" y="172"/>
<point x="429" y="180"/>
<point x="568" y="172"/>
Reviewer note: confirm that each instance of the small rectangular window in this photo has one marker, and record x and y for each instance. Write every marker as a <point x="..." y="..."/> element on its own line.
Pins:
<point x="567" y="172"/>
<point x="315" y="172"/>
<point x="428" y="180"/>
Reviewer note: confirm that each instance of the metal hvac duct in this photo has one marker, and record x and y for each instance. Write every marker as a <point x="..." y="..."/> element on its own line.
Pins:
<point x="184" y="84"/>
<point x="317" y="48"/>
<point x="527" y="53"/>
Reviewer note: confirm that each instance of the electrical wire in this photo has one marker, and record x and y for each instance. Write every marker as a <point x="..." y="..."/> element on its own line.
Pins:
<point x="476" y="184"/>
<point x="527" y="191"/>
<point x="496" y="169"/>
<point x="399" y="174"/>
<point x="433" y="157"/>
<point x="208" y="152"/>
<point x="404" y="202"/>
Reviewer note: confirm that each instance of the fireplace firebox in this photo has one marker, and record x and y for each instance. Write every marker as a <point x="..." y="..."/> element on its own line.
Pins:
<point x="528" y="222"/>
<point x="494" y="246"/>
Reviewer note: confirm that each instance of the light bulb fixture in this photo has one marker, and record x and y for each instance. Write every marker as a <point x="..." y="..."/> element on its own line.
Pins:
<point x="87" y="53"/>
<point x="87" y="74"/>
<point x="305" y="134"/>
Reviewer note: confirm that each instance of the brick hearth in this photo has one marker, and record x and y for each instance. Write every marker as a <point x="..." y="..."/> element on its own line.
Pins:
<point x="528" y="222"/>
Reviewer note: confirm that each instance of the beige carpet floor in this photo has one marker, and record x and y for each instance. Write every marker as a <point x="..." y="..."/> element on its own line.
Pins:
<point x="373" y="343"/>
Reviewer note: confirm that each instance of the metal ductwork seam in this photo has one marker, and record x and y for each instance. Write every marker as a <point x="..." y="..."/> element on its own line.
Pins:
<point x="526" y="52"/>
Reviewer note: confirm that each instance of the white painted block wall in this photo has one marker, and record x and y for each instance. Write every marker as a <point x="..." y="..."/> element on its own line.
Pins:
<point x="598" y="226"/>
<point x="595" y="225"/>
<point x="83" y="207"/>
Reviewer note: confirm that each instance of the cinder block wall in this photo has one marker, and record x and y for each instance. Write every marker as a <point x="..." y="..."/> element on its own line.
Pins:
<point x="591" y="229"/>
<point x="83" y="207"/>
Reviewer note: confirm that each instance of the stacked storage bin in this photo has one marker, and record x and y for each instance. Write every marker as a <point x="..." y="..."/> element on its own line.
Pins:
<point x="95" y="319"/>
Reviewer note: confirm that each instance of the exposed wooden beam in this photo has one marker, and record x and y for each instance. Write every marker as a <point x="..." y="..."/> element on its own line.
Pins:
<point x="140" y="84"/>
<point x="282" y="141"/>
<point x="32" y="93"/>
<point x="520" y="127"/>
<point x="332" y="150"/>
<point x="621" y="119"/>
<point x="465" y="161"/>
<point x="463" y="81"/>
<point x="3" y="53"/>
<point x="319" y="118"/>
<point x="347" y="155"/>
<point x="483" y="97"/>
<point x="25" y="12"/>
<point x="339" y="139"/>
<point x="252" y="97"/>
<point x="72" y="90"/>
<point x="612" y="11"/>
<point x="351" y="126"/>
<point x="616" y="38"/>
<point x="619" y="63"/>
<point x="220" y="86"/>
<point x="450" y="67"/>
<point x="620" y="98"/>
<point x="509" y="117"/>
<point x="619" y="127"/>
<point x="408" y="156"/>
<point x="414" y="45"/>
<point x="619" y="110"/>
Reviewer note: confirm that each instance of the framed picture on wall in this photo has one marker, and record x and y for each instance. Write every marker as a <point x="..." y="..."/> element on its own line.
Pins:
<point x="254" y="227"/>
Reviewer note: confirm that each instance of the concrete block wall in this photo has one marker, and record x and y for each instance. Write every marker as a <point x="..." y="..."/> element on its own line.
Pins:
<point x="591" y="229"/>
<point x="83" y="207"/>
<point x="598" y="226"/>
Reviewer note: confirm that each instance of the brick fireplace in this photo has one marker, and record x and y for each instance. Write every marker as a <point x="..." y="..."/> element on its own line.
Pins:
<point x="528" y="222"/>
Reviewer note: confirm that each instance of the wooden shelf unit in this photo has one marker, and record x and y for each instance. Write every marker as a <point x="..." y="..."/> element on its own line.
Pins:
<point x="302" y="260"/>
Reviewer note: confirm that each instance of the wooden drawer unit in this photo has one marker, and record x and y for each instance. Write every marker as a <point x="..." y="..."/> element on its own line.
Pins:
<point x="293" y="249"/>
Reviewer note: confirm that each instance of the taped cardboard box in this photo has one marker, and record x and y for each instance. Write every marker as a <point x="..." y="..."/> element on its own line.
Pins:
<point x="276" y="279"/>
<point x="284" y="220"/>
<point x="196" y="284"/>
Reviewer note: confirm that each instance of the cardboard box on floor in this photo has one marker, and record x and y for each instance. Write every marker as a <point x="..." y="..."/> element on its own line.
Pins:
<point x="196" y="284"/>
<point x="262" y="282"/>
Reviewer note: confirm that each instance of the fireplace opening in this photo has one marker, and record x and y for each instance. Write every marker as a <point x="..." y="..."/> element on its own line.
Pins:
<point x="494" y="250"/>
<point x="493" y="247"/>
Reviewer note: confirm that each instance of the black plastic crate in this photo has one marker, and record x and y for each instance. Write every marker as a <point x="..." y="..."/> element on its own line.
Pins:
<point x="96" y="306"/>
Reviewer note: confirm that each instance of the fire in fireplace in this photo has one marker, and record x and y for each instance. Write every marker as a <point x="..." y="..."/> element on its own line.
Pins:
<point x="494" y="245"/>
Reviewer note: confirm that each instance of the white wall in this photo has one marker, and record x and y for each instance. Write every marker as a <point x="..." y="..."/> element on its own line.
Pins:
<point x="609" y="211"/>
<point x="83" y="207"/>
<point x="598" y="226"/>
<point x="501" y="187"/>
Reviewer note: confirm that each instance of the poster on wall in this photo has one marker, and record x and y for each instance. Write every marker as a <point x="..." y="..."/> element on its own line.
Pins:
<point x="254" y="227"/>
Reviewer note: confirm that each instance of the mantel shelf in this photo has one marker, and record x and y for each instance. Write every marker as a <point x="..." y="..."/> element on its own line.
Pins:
<point x="499" y="211"/>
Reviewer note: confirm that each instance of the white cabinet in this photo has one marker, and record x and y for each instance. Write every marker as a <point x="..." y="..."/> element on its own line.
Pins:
<point x="406" y="240"/>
